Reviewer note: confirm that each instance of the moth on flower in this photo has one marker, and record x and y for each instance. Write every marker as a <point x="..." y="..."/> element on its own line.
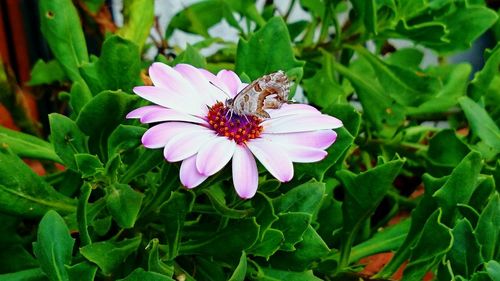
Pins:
<point x="206" y="127"/>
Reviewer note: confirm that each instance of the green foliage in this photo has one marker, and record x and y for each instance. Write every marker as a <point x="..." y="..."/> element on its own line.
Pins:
<point x="117" y="211"/>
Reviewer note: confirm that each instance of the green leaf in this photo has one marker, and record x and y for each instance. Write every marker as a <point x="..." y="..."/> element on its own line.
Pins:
<point x="481" y="123"/>
<point x="271" y="274"/>
<point x="155" y="264"/>
<point x="240" y="270"/>
<point x="487" y="231"/>
<point x="292" y="225"/>
<point x="147" y="160"/>
<point x="35" y="274"/>
<point x="23" y="193"/>
<point x="459" y="187"/>
<point x="191" y="56"/>
<point x="46" y="73"/>
<point x="24" y="145"/>
<point x="123" y="138"/>
<point x="138" y="17"/>
<point x="304" y="198"/>
<point x="216" y="196"/>
<point x="310" y="250"/>
<point x="322" y="89"/>
<point x="108" y="109"/>
<point x="61" y="28"/>
<point x="365" y="11"/>
<point x="173" y="213"/>
<point x="118" y="67"/>
<point x="255" y="58"/>
<point x="80" y="95"/>
<point x="109" y="255"/>
<point x="67" y="139"/>
<point x="124" y="204"/>
<point x="436" y="239"/>
<point x="483" y="78"/>
<point x="140" y="274"/>
<point x="446" y="149"/>
<point x="493" y="269"/>
<point x="465" y="254"/>
<point x="83" y="271"/>
<point x="364" y="192"/>
<point x="224" y="243"/>
<point x="54" y="246"/>
<point x="270" y="243"/>
<point x="88" y="165"/>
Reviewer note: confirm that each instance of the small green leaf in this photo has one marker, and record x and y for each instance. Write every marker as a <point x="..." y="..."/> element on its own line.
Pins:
<point x="493" y="269"/>
<point x="465" y="254"/>
<point x="109" y="255"/>
<point x="80" y="95"/>
<point x="271" y="274"/>
<point x="191" y="56"/>
<point x="240" y="270"/>
<point x="256" y="59"/>
<point x="83" y="271"/>
<point x="270" y="243"/>
<point x="483" y="78"/>
<point x="481" y="123"/>
<point x="138" y="17"/>
<point x="216" y="196"/>
<point x="62" y="29"/>
<point x="123" y="138"/>
<point x="155" y="264"/>
<point x="88" y="165"/>
<point x="124" y="204"/>
<point x="54" y="246"/>
<point x="292" y="225"/>
<point x="446" y="149"/>
<point x="35" y="274"/>
<point x="147" y="160"/>
<point x="46" y="73"/>
<point x="24" y="145"/>
<point x="67" y="139"/>
<point x="173" y="213"/>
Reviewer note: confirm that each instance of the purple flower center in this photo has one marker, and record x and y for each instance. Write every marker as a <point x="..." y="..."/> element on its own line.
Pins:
<point x="234" y="127"/>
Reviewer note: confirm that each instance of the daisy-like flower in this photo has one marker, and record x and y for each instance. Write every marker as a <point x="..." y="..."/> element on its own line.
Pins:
<point x="195" y="128"/>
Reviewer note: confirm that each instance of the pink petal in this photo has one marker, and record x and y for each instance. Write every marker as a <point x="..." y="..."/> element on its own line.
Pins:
<point x="186" y="144"/>
<point x="274" y="159"/>
<point x="231" y="80"/>
<point x="141" y="111"/>
<point x="320" y="139"/>
<point x="159" y="135"/>
<point x="214" y="155"/>
<point x="223" y="91"/>
<point x="298" y="123"/>
<point x="207" y="92"/>
<point x="164" y="76"/>
<point x="170" y="99"/>
<point x="245" y="174"/>
<point x="304" y="154"/>
<point x="293" y="109"/>
<point x="189" y="176"/>
<point x="167" y="114"/>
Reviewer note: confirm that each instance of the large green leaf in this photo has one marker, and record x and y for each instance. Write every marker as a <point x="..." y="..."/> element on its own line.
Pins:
<point x="47" y="73"/>
<point x="138" y="19"/>
<point x="25" y="194"/>
<point x="117" y="68"/>
<point x="241" y="270"/>
<point x="364" y="192"/>
<point x="61" y="28"/>
<point x="256" y="57"/>
<point x="487" y="230"/>
<point x="24" y="145"/>
<point x="465" y="254"/>
<point x="54" y="246"/>
<point x="303" y="198"/>
<point x="483" y="78"/>
<point x="124" y="204"/>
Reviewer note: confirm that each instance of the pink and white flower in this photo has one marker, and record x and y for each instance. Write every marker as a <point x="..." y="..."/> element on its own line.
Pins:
<point x="194" y="127"/>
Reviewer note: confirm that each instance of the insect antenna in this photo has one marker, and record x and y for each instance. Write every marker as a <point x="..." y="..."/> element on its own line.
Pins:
<point x="222" y="90"/>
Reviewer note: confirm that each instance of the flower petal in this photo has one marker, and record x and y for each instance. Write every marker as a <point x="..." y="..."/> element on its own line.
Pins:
<point x="293" y="109"/>
<point x="207" y="92"/>
<point x="320" y="139"/>
<point x="231" y="80"/>
<point x="214" y="155"/>
<point x="223" y="91"/>
<point x="164" y="76"/>
<point x="298" y="123"/>
<point x="167" y="114"/>
<point x="141" y="111"/>
<point x="245" y="174"/>
<point x="304" y="154"/>
<point x="187" y="144"/>
<point x="189" y="175"/>
<point x="159" y="135"/>
<point x="170" y="99"/>
<point x="274" y="159"/>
